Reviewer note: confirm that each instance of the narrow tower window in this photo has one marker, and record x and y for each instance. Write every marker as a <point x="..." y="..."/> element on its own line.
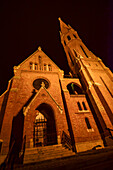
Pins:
<point x="49" y="67"/>
<point x="84" y="51"/>
<point x="45" y="67"/>
<point x="68" y="37"/>
<point x="87" y="123"/>
<point x="79" y="105"/>
<point x="84" y="106"/>
<point x="31" y="65"/>
<point x="36" y="66"/>
<point x="71" y="58"/>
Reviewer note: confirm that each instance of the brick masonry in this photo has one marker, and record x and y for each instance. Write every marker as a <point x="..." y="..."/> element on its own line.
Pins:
<point x="86" y="125"/>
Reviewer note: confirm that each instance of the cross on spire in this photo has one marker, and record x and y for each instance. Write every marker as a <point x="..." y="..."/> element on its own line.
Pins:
<point x="42" y="84"/>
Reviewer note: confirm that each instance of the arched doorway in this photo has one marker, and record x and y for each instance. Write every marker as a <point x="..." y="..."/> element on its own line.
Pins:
<point x="44" y="126"/>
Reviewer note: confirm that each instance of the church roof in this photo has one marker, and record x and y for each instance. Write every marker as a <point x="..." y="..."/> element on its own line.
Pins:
<point x="34" y="57"/>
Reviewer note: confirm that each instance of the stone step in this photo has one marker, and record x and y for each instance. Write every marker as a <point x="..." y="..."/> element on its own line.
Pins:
<point x="41" y="152"/>
<point x="46" y="153"/>
<point x="52" y="147"/>
<point x="45" y="149"/>
<point x="43" y="158"/>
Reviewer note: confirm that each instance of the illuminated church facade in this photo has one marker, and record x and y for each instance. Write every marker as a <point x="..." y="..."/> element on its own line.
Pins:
<point x="48" y="107"/>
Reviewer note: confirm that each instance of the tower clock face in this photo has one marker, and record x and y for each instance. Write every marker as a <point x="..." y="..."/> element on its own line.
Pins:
<point x="37" y="83"/>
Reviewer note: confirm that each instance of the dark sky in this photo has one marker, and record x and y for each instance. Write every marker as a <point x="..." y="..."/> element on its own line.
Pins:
<point x="25" y="25"/>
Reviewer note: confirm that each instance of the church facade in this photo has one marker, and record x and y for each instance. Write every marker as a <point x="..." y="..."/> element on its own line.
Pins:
<point x="48" y="108"/>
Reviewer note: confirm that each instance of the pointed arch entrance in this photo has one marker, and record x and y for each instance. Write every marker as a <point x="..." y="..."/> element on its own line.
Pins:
<point x="44" y="126"/>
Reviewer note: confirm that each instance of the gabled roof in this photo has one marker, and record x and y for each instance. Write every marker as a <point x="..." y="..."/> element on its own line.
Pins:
<point x="36" y="53"/>
<point x="25" y="110"/>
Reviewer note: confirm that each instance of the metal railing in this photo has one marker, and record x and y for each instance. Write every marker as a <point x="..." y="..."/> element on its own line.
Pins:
<point x="66" y="140"/>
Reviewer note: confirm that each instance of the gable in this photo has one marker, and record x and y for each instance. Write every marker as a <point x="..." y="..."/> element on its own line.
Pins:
<point x="38" y="61"/>
<point x="42" y="96"/>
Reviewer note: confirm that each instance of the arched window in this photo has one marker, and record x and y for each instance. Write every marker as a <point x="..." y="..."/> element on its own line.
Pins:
<point x="84" y="106"/>
<point x="68" y="37"/>
<point x="71" y="89"/>
<point x="45" y="67"/>
<point x="36" y="66"/>
<point x="79" y="105"/>
<point x="40" y="117"/>
<point x="31" y="65"/>
<point x="39" y="58"/>
<point x="87" y="123"/>
<point x="37" y="84"/>
<point x="49" y="67"/>
<point x="74" y="89"/>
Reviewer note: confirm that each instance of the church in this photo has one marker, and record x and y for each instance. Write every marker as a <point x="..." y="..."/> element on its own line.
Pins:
<point x="50" y="108"/>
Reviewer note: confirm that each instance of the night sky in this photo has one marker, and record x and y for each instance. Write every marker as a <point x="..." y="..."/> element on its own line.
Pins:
<point x="25" y="25"/>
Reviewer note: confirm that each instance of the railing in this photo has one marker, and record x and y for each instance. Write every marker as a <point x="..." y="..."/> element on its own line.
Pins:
<point x="66" y="140"/>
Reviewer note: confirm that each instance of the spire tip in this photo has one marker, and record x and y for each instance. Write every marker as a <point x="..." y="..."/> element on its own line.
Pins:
<point x="59" y="18"/>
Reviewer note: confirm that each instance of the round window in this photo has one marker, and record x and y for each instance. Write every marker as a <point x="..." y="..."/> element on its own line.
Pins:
<point x="38" y="82"/>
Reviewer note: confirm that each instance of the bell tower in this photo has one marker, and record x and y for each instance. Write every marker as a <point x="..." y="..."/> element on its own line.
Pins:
<point x="95" y="77"/>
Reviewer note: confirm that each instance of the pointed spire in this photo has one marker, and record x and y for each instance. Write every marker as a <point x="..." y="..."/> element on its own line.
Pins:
<point x="64" y="28"/>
